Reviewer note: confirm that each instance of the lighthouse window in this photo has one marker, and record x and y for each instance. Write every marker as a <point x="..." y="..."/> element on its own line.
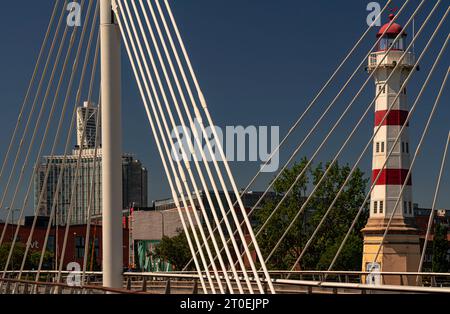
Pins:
<point x="375" y="207"/>
<point x="407" y="148"/>
<point x="382" y="147"/>
<point x="382" y="89"/>
<point x="377" y="147"/>
<point x="387" y="43"/>
<point x="403" y="147"/>
<point x="410" y="208"/>
<point x="381" y="207"/>
<point x="404" y="91"/>
<point x="405" y="207"/>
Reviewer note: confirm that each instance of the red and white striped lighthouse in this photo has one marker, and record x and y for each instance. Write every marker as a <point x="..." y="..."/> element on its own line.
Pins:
<point x="400" y="250"/>
<point x="393" y="176"/>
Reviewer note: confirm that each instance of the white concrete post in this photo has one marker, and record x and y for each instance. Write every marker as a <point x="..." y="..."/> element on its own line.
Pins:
<point x="111" y="147"/>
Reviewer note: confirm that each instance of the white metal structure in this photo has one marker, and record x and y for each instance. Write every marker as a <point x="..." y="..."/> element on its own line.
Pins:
<point x="112" y="147"/>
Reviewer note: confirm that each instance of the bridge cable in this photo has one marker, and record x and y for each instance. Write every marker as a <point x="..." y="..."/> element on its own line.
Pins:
<point x="433" y="207"/>
<point x="204" y="184"/>
<point x="81" y="148"/>
<point x="169" y="177"/>
<point x="192" y="150"/>
<point x="57" y="137"/>
<point x="198" y="142"/>
<point x="28" y="93"/>
<point x="168" y="131"/>
<point x="47" y="128"/>
<point x="97" y="146"/>
<point x="219" y="149"/>
<point x="36" y="129"/>
<point x="28" y="123"/>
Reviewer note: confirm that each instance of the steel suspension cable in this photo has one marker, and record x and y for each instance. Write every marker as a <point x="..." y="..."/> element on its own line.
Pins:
<point x="36" y="129"/>
<point x="57" y="136"/>
<point x="39" y="154"/>
<point x="81" y="149"/>
<point x="97" y="146"/>
<point x="433" y="207"/>
<point x="62" y="165"/>
<point x="32" y="110"/>
<point x="161" y="130"/>
<point x="30" y="86"/>
<point x="205" y="186"/>
<point x="219" y="148"/>
<point x="196" y="137"/>
<point x="160" y="150"/>
<point x="191" y="149"/>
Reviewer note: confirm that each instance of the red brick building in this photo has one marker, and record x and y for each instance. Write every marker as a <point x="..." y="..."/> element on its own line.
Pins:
<point x="75" y="242"/>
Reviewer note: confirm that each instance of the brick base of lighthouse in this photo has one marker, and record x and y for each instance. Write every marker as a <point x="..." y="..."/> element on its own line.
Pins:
<point x="400" y="251"/>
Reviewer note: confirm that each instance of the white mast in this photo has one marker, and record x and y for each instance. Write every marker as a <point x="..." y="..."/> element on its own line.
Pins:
<point x="111" y="147"/>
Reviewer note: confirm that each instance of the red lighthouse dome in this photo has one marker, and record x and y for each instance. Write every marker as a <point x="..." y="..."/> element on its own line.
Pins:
<point x="388" y="33"/>
<point x="392" y="31"/>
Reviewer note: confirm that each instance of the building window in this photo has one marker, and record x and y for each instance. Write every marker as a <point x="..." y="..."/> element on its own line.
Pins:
<point x="410" y="208"/>
<point x="79" y="247"/>
<point x="405" y="207"/>
<point x="375" y="207"/>
<point x="407" y="148"/>
<point x="381" y="207"/>
<point x="51" y="244"/>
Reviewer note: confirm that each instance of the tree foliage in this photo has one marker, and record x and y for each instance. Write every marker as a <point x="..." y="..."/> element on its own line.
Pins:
<point x="329" y="237"/>
<point x="32" y="261"/>
<point x="174" y="250"/>
<point x="440" y="264"/>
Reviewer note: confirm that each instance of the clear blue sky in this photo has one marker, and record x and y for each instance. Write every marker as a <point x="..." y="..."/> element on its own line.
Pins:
<point x="260" y="62"/>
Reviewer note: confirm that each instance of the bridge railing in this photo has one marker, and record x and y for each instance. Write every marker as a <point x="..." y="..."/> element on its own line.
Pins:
<point x="427" y="279"/>
<point x="187" y="282"/>
<point x="14" y="286"/>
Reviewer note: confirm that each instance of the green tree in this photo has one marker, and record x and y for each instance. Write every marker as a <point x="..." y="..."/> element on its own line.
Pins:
<point x="440" y="249"/>
<point x="290" y="248"/>
<point x="174" y="250"/>
<point x="32" y="261"/>
<point x="16" y="257"/>
<point x="326" y="242"/>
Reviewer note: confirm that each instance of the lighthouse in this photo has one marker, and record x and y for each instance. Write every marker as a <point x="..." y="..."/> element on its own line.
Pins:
<point x="400" y="250"/>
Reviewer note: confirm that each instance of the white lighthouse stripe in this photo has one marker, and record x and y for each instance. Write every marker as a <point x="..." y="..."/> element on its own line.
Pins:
<point x="384" y="102"/>
<point x="397" y="161"/>
<point x="390" y="131"/>
<point x="390" y="191"/>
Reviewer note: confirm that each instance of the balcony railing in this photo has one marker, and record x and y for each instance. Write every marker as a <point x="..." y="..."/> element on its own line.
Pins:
<point x="393" y="58"/>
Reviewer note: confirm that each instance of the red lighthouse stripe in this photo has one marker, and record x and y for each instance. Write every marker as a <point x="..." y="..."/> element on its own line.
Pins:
<point x="395" y="117"/>
<point x="391" y="177"/>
